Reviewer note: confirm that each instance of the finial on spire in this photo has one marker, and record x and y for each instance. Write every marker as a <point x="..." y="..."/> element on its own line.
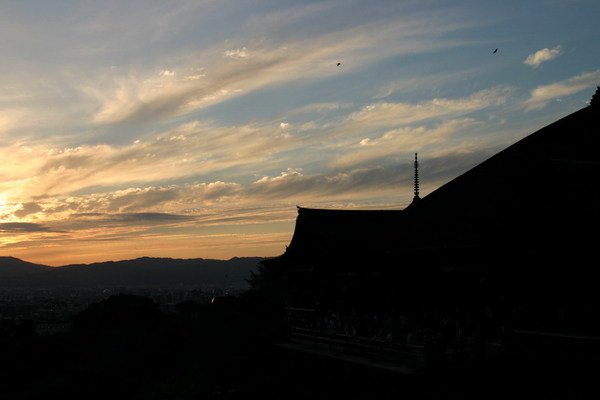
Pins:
<point x="416" y="179"/>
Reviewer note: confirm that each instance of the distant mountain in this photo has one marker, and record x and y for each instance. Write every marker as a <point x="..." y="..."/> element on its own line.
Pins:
<point x="140" y="272"/>
<point x="10" y="266"/>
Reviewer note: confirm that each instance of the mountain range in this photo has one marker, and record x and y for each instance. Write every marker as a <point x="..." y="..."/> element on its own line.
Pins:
<point x="139" y="272"/>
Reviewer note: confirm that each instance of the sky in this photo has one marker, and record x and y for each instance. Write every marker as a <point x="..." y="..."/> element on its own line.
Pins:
<point x="193" y="129"/>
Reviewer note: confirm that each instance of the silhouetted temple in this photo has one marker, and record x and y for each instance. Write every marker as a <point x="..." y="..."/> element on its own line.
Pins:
<point x="511" y="243"/>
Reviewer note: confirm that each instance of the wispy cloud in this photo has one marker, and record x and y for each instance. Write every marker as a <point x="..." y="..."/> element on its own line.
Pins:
<point x="385" y="115"/>
<point x="418" y="81"/>
<point x="406" y="140"/>
<point x="540" y="96"/>
<point x="23" y="227"/>
<point x="230" y="71"/>
<point x="543" y="55"/>
<point x="236" y="53"/>
<point x="132" y="219"/>
<point x="196" y="148"/>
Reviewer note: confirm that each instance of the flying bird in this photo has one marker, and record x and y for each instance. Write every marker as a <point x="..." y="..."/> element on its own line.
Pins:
<point x="338" y="64"/>
<point x="495" y="51"/>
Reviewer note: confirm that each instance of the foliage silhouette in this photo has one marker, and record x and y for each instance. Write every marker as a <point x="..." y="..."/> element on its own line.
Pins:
<point x="119" y="316"/>
<point x="595" y="101"/>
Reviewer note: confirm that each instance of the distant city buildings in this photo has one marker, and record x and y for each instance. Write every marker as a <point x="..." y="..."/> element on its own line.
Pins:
<point x="51" y="310"/>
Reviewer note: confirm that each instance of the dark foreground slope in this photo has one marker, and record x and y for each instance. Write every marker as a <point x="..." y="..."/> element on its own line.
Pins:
<point x="124" y="347"/>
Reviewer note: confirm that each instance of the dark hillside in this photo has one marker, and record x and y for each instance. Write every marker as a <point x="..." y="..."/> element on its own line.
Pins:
<point x="10" y="266"/>
<point x="140" y="272"/>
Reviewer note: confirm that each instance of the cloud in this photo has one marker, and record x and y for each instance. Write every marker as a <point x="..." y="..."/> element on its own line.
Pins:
<point x="540" y="96"/>
<point x="391" y="177"/>
<point x="139" y="100"/>
<point x="23" y="227"/>
<point x="38" y="172"/>
<point x="216" y="191"/>
<point x="236" y="53"/>
<point x="230" y="71"/>
<point x="27" y="209"/>
<point x="140" y="199"/>
<point x="15" y="119"/>
<point x="276" y="20"/>
<point x="405" y="140"/>
<point x="145" y="218"/>
<point x="101" y="225"/>
<point x="292" y="184"/>
<point x="203" y="148"/>
<point x="417" y="81"/>
<point x="543" y="55"/>
<point x="365" y="171"/>
<point x="128" y="201"/>
<point x="387" y="114"/>
<point x="199" y="212"/>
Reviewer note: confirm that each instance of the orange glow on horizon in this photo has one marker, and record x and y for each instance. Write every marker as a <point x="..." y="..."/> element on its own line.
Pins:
<point x="216" y="247"/>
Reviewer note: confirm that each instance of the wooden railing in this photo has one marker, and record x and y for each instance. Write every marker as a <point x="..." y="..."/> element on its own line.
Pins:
<point x="556" y="344"/>
<point x="406" y="354"/>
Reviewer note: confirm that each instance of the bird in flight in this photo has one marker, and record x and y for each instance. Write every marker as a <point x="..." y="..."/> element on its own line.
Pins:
<point x="495" y="51"/>
<point x="338" y="64"/>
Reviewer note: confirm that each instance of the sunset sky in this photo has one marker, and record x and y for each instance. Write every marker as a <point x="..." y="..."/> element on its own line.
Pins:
<point x="193" y="128"/>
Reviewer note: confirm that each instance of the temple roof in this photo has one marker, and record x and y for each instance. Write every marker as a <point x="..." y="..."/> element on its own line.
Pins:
<point x="321" y="232"/>
<point x="542" y="189"/>
<point x="539" y="193"/>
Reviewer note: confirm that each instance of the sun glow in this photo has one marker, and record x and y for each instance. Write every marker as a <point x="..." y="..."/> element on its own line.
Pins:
<point x="7" y="210"/>
<point x="4" y="210"/>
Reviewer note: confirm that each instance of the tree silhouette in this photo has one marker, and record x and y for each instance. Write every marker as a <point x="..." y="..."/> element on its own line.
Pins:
<point x="122" y="313"/>
<point x="595" y="101"/>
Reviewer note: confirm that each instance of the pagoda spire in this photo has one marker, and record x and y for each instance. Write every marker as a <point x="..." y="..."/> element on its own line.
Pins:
<point x="416" y="198"/>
